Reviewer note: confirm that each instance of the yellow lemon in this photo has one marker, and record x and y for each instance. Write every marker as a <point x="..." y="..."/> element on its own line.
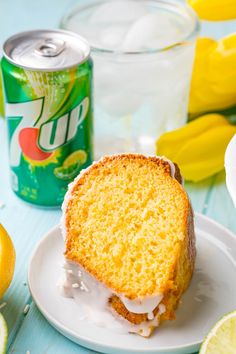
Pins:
<point x="214" y="10"/>
<point x="198" y="147"/>
<point x="7" y="260"/>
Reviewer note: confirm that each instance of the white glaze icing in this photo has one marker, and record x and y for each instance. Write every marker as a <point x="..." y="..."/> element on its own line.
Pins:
<point x="150" y="315"/>
<point x="145" y="305"/>
<point x="93" y="299"/>
<point x="172" y="168"/>
<point x="162" y="309"/>
<point x="171" y="164"/>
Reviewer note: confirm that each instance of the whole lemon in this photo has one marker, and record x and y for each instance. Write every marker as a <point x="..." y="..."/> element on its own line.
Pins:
<point x="7" y="260"/>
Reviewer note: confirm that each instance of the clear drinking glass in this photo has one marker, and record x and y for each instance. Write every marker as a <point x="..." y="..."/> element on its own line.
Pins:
<point x="143" y="53"/>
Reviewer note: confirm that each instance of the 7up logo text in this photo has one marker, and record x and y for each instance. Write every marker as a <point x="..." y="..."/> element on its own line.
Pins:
<point x="37" y="137"/>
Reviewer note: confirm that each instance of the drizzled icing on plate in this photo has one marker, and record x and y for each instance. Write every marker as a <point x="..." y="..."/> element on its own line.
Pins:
<point x="93" y="299"/>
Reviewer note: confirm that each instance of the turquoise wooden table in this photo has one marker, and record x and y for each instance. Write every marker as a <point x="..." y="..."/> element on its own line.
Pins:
<point x="26" y="225"/>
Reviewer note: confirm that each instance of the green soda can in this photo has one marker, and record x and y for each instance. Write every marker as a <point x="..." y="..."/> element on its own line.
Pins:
<point x="47" y="76"/>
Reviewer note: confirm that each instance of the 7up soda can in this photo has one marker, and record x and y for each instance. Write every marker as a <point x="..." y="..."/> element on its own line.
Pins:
<point x="47" y="78"/>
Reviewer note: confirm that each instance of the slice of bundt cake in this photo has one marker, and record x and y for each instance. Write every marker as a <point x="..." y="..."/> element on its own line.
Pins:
<point x="130" y="245"/>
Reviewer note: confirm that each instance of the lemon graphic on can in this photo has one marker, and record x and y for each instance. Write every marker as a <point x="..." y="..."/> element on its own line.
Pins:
<point x="71" y="165"/>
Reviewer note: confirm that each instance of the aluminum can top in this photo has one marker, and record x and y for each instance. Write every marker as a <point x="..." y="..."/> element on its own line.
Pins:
<point x="46" y="50"/>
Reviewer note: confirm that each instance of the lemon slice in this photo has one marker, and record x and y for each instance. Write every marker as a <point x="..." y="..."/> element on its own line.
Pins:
<point x="3" y="335"/>
<point x="79" y="156"/>
<point x="66" y="173"/>
<point x="7" y="260"/>
<point x="71" y="165"/>
<point x="222" y="337"/>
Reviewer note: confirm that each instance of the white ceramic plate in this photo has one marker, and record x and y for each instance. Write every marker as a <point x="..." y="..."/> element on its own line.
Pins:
<point x="211" y="295"/>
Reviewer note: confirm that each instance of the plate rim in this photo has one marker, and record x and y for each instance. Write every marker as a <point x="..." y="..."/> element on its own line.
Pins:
<point x="97" y="344"/>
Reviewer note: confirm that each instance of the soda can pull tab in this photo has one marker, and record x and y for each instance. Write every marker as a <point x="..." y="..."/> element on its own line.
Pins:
<point x="50" y="47"/>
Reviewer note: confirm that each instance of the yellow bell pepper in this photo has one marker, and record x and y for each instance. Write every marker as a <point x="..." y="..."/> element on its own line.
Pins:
<point x="214" y="10"/>
<point x="198" y="148"/>
<point x="213" y="85"/>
